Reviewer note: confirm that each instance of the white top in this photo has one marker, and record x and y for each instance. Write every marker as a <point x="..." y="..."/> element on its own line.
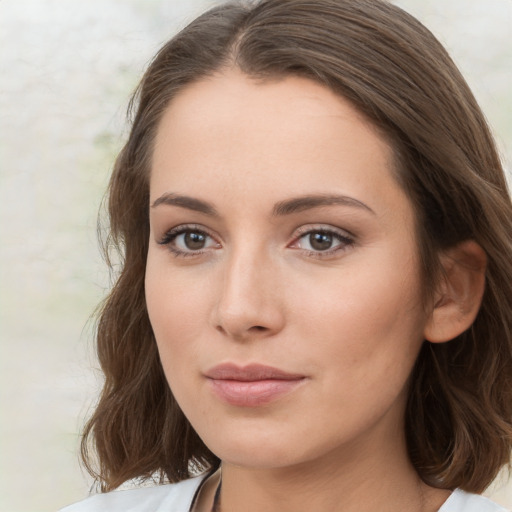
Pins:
<point x="178" y="498"/>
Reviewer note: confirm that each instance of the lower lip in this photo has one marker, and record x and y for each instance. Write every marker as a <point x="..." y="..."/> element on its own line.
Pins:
<point x="253" y="393"/>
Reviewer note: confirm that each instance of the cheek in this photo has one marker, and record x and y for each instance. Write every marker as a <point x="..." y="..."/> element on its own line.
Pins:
<point x="367" y="323"/>
<point x="177" y="311"/>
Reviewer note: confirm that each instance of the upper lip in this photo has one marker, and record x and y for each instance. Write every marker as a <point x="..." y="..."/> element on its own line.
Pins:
<point x="249" y="373"/>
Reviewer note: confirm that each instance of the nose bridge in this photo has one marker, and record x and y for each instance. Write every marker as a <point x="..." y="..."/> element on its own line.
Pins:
<point x="249" y="300"/>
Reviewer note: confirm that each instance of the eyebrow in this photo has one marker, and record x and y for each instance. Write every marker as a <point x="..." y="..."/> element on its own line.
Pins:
<point x="190" y="203"/>
<point x="308" y="202"/>
<point x="287" y="207"/>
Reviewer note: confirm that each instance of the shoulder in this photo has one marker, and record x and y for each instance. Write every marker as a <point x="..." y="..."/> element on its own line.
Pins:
<point x="460" y="501"/>
<point x="162" y="498"/>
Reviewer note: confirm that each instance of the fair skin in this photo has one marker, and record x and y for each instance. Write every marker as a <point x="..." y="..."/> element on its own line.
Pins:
<point x="243" y="270"/>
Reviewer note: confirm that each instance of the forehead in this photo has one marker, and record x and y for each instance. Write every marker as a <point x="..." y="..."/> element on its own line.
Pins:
<point x="230" y="134"/>
<point x="231" y="99"/>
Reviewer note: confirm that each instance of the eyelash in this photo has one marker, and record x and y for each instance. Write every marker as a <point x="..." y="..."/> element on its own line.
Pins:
<point x="346" y="240"/>
<point x="171" y="235"/>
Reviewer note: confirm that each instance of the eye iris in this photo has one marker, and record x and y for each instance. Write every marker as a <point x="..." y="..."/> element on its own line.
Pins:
<point x="194" y="240"/>
<point x="320" y="241"/>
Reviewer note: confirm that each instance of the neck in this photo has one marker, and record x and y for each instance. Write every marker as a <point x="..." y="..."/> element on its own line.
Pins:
<point x="357" y="484"/>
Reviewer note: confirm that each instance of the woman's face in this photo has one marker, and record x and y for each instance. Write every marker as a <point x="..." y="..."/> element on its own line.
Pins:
<point x="282" y="278"/>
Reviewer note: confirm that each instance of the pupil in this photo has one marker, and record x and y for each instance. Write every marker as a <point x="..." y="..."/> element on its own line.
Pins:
<point x="195" y="241"/>
<point x="320" y="241"/>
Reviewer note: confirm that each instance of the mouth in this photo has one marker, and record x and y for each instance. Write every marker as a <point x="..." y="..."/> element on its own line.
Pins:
<point x="252" y="385"/>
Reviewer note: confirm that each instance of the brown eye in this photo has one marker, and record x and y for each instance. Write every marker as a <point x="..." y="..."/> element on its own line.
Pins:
<point x="323" y="242"/>
<point x="188" y="241"/>
<point x="320" y="241"/>
<point x="194" y="240"/>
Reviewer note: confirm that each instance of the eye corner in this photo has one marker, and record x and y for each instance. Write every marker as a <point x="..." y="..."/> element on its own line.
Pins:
<point x="188" y="240"/>
<point x="330" y="241"/>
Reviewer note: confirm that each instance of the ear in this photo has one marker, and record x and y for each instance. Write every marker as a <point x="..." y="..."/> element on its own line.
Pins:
<point x="459" y="294"/>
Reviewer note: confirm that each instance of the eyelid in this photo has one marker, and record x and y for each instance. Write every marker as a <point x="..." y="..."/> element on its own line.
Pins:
<point x="346" y="238"/>
<point x="171" y="234"/>
<point x="327" y="228"/>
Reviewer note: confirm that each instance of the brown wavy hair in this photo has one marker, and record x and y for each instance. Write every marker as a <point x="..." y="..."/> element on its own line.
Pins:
<point x="393" y="70"/>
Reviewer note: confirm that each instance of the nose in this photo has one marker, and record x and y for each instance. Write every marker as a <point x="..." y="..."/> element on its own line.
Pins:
<point x="249" y="304"/>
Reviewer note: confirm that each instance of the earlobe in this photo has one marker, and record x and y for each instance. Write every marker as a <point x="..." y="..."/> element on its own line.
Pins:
<point x="459" y="294"/>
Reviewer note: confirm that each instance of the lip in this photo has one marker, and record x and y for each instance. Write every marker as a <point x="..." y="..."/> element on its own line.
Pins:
<point x="252" y="385"/>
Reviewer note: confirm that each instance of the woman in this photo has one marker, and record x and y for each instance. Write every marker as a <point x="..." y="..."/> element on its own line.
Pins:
<point x="314" y="307"/>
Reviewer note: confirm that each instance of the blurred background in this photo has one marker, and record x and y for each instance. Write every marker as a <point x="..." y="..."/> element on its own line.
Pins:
<point x="66" y="73"/>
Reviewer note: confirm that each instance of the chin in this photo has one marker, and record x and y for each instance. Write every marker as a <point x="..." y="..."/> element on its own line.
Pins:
<point x="264" y="447"/>
<point x="256" y="448"/>
<point x="260" y="457"/>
